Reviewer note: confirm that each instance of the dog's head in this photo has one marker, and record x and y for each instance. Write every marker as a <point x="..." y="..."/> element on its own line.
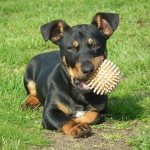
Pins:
<point x="82" y="47"/>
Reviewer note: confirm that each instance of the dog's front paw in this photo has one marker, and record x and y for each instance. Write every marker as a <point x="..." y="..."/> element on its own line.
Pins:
<point x="80" y="130"/>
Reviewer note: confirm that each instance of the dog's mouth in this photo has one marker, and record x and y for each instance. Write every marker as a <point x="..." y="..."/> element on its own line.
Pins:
<point x="82" y="85"/>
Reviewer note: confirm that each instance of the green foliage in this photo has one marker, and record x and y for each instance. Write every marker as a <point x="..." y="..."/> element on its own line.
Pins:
<point x="21" y="40"/>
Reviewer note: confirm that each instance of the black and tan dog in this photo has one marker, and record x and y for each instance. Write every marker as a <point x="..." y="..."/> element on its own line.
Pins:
<point x="57" y="80"/>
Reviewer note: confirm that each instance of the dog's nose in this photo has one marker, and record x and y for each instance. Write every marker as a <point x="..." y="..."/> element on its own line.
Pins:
<point x="87" y="67"/>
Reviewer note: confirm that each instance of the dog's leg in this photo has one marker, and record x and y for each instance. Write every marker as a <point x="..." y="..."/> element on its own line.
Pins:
<point x="76" y="130"/>
<point x="90" y="117"/>
<point x="55" y="118"/>
<point x="31" y="100"/>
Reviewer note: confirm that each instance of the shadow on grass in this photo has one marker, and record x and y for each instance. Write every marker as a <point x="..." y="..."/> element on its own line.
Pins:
<point x="125" y="108"/>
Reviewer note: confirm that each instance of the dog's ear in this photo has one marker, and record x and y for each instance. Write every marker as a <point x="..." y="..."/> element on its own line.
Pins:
<point x="106" y="22"/>
<point x="54" y="30"/>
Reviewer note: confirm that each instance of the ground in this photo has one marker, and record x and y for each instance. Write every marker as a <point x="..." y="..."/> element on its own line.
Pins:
<point x="100" y="140"/>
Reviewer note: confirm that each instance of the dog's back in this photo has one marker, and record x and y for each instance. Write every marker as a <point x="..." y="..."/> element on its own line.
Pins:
<point x="38" y="64"/>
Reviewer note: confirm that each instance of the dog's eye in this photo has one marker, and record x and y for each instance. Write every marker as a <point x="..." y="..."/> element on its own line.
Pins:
<point x="70" y="48"/>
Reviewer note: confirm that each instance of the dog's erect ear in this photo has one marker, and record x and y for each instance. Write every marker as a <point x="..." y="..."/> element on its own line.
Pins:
<point x="54" y="30"/>
<point x="106" y="22"/>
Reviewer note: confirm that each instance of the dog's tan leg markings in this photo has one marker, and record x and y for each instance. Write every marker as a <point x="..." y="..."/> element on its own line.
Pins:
<point x="31" y="100"/>
<point x="32" y="88"/>
<point x="64" y="108"/>
<point x="88" y="118"/>
<point x="76" y="130"/>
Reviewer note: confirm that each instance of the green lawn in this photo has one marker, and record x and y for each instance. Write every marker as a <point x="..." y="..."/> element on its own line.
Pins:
<point x="20" y="40"/>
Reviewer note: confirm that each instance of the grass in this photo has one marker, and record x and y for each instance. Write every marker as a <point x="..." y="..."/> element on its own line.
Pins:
<point x="129" y="105"/>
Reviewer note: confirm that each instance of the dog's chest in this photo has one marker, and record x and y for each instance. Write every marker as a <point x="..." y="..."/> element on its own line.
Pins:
<point x="80" y="110"/>
<point x="78" y="114"/>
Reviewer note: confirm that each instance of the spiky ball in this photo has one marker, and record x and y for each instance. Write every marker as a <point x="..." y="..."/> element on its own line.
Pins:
<point x="105" y="78"/>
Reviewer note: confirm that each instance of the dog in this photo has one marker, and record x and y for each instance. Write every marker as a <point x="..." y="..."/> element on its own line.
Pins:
<point x="57" y="80"/>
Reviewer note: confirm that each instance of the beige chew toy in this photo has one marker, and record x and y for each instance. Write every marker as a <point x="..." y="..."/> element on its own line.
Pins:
<point x="105" y="79"/>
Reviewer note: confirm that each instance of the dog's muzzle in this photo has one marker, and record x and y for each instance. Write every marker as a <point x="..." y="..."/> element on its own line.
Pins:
<point x="82" y="85"/>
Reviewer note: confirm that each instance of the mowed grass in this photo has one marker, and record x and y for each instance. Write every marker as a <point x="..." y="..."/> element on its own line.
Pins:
<point x="20" y="40"/>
